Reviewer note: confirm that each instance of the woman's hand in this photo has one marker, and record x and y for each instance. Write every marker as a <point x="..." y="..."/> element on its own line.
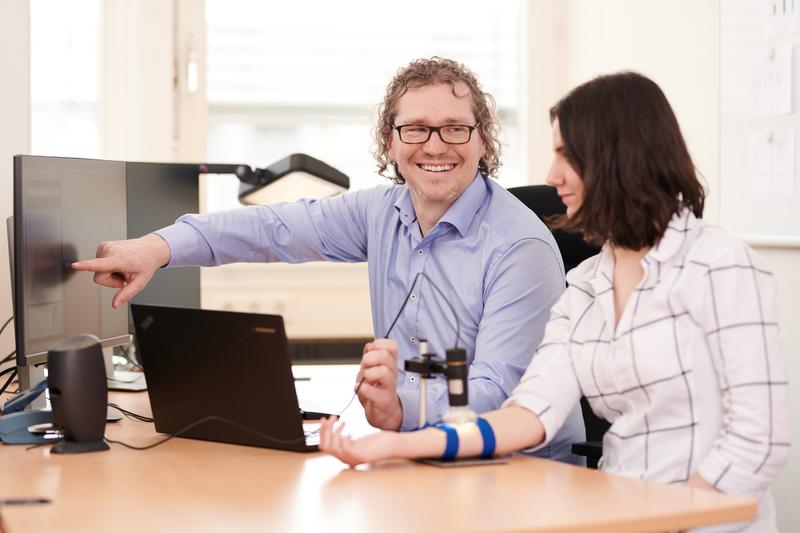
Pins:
<point x="367" y="449"/>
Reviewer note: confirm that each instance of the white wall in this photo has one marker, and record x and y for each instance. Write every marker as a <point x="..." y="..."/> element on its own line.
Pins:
<point x="676" y="44"/>
<point x="785" y="264"/>
<point x="15" y="132"/>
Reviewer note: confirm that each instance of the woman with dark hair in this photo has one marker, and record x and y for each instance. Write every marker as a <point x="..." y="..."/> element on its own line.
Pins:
<point x="670" y="332"/>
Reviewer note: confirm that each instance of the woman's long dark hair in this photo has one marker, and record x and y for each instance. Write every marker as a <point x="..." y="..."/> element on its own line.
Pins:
<point x="622" y="138"/>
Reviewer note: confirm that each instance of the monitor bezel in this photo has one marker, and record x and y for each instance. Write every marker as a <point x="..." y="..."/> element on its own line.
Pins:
<point x="22" y="357"/>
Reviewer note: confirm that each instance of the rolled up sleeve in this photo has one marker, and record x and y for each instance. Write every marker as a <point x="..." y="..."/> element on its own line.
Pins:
<point x="741" y="326"/>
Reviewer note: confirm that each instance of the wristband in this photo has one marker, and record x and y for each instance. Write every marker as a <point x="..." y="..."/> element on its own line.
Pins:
<point x="487" y="433"/>
<point x="451" y="448"/>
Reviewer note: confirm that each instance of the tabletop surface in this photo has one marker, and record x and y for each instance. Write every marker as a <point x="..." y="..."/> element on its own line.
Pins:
<point x="191" y="485"/>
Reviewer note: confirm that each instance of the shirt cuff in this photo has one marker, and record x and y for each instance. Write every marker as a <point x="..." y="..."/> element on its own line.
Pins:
<point x="409" y="400"/>
<point x="184" y="242"/>
<point x="727" y="477"/>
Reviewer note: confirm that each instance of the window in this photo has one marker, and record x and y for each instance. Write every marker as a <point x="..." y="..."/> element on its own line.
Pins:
<point x="308" y="76"/>
<point x="65" y="58"/>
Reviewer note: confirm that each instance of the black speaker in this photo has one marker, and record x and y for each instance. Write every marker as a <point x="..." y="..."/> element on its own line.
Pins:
<point x="77" y="382"/>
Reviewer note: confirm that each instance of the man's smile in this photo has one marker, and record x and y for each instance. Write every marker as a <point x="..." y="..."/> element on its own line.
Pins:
<point x="441" y="167"/>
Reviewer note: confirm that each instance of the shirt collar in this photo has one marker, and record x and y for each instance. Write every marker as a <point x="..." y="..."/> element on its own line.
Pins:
<point x="405" y="207"/>
<point x="459" y="215"/>
<point x="673" y="237"/>
<point x="669" y="245"/>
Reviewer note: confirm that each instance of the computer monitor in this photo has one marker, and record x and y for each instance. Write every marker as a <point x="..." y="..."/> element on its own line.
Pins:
<point x="157" y="194"/>
<point x="62" y="209"/>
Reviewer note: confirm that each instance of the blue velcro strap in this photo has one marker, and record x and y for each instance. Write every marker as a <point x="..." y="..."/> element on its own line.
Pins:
<point x="488" y="438"/>
<point x="451" y="448"/>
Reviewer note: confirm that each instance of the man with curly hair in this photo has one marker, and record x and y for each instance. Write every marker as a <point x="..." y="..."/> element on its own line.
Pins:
<point x="454" y="259"/>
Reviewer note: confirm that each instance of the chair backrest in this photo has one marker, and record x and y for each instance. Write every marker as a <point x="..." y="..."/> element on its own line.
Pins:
<point x="544" y="201"/>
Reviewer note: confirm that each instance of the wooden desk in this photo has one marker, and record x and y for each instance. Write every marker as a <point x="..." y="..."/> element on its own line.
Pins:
<point x="188" y="485"/>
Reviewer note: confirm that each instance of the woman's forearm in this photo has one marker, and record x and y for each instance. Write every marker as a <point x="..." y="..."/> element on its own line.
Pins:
<point x="515" y="428"/>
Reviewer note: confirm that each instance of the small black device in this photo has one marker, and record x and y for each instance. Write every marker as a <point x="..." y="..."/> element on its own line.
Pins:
<point x="78" y="395"/>
<point x="455" y="369"/>
<point x="236" y="366"/>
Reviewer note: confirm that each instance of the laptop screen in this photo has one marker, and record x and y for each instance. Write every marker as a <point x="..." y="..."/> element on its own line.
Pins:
<point x="200" y="363"/>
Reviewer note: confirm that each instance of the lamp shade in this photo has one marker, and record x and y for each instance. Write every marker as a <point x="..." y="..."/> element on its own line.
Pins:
<point x="293" y="177"/>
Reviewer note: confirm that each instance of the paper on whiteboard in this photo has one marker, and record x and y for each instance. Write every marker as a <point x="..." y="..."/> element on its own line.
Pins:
<point x="772" y="81"/>
<point x="781" y="18"/>
<point x="772" y="163"/>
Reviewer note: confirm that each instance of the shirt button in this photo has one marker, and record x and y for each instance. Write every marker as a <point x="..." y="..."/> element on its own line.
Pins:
<point x="412" y="379"/>
<point x="420" y="252"/>
<point x="413" y="296"/>
<point x="413" y="339"/>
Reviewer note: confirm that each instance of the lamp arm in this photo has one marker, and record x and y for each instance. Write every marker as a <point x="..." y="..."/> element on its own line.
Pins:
<point x="259" y="176"/>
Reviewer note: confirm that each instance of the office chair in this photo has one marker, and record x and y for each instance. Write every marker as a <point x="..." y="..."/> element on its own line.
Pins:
<point x="544" y="201"/>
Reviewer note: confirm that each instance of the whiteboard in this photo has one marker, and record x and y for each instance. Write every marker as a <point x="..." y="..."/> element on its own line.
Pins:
<point x="760" y="120"/>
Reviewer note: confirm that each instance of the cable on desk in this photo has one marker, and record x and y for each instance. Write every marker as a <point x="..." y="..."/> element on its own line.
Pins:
<point x="202" y="421"/>
<point x="130" y="414"/>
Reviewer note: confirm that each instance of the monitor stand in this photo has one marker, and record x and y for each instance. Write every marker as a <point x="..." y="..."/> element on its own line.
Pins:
<point x="121" y="380"/>
<point x="29" y="375"/>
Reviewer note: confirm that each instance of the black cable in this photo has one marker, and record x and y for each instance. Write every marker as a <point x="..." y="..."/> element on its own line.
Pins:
<point x="7" y="322"/>
<point x="130" y="414"/>
<point x="450" y="305"/>
<point x="402" y="307"/>
<point x="446" y="300"/>
<point x="397" y="317"/>
<point x="9" y="357"/>
<point x="9" y="380"/>
<point x="202" y="421"/>
<point x="126" y="353"/>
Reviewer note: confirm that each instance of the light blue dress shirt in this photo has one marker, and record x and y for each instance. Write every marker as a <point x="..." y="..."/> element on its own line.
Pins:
<point x="492" y="258"/>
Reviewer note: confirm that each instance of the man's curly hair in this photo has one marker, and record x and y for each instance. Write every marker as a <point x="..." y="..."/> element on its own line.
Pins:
<point x="433" y="71"/>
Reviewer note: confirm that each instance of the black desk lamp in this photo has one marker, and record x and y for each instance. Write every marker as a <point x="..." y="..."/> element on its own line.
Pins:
<point x="295" y="176"/>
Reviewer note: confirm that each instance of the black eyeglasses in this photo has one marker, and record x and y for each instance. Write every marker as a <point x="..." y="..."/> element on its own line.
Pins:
<point x="450" y="134"/>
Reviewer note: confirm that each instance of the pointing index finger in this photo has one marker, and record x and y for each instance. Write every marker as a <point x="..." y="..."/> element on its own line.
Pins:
<point x="100" y="264"/>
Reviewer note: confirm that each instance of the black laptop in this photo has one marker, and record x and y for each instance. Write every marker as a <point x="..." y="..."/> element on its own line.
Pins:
<point x="236" y="366"/>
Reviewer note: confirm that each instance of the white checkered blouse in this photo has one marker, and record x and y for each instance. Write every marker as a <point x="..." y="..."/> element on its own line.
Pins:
<point x="691" y="379"/>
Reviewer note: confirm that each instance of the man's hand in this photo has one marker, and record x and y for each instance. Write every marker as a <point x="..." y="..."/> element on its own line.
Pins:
<point x="127" y="265"/>
<point x="378" y="392"/>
